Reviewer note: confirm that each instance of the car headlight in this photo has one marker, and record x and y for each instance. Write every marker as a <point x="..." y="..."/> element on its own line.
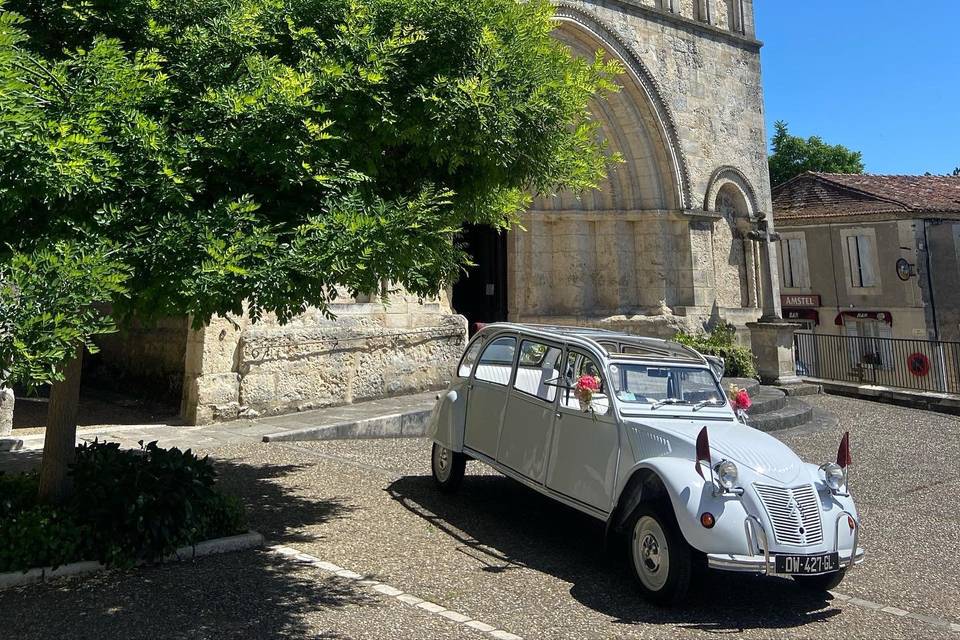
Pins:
<point x="832" y="475"/>
<point x="727" y="474"/>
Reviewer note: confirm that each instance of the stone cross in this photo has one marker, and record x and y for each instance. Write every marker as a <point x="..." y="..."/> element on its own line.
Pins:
<point x="769" y="269"/>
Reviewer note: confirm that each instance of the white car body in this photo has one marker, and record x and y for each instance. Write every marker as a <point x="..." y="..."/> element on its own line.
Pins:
<point x="597" y="460"/>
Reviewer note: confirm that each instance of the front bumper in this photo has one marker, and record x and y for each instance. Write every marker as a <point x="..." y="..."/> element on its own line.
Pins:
<point x="764" y="562"/>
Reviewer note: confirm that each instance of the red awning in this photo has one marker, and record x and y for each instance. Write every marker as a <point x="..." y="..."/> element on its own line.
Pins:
<point x="802" y="314"/>
<point x="879" y="316"/>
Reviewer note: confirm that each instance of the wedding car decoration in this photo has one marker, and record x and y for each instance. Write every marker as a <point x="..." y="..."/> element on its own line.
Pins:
<point x="660" y="456"/>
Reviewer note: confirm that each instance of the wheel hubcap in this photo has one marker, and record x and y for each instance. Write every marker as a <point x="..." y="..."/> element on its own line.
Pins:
<point x="651" y="555"/>
<point x="441" y="459"/>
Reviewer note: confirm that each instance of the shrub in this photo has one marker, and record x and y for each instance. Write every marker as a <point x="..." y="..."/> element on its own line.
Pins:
<point x="126" y="506"/>
<point x="41" y="536"/>
<point x="146" y="503"/>
<point x="721" y="341"/>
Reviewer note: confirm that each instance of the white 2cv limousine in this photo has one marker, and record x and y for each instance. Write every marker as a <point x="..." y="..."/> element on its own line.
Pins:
<point x="639" y="433"/>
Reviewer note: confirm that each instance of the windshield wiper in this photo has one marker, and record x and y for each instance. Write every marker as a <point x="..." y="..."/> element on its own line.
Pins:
<point x="660" y="403"/>
<point x="707" y="403"/>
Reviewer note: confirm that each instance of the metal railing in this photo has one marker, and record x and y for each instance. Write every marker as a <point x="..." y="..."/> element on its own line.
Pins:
<point x="924" y="365"/>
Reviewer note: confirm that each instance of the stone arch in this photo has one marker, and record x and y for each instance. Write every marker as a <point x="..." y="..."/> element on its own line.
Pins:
<point x="730" y="194"/>
<point x="636" y="123"/>
<point x="728" y="175"/>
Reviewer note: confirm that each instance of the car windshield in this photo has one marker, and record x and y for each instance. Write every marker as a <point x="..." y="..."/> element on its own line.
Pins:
<point x="664" y="384"/>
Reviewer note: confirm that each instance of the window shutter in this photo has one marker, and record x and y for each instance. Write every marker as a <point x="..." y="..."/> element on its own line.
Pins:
<point x="798" y="259"/>
<point x="853" y="261"/>
<point x="853" y="344"/>
<point x="868" y="261"/>
<point x="886" y="345"/>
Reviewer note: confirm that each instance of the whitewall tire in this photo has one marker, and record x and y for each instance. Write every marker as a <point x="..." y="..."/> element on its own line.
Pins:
<point x="448" y="467"/>
<point x="661" y="559"/>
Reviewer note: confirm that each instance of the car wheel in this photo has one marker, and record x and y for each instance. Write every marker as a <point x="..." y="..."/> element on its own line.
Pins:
<point x="448" y="467"/>
<point x="662" y="560"/>
<point x="822" y="582"/>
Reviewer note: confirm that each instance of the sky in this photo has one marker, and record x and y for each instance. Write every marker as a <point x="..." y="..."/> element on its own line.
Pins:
<point x="878" y="76"/>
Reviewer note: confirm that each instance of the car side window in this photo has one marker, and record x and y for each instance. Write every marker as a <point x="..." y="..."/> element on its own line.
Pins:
<point x="538" y="364"/>
<point x="496" y="362"/>
<point x="469" y="359"/>
<point x="577" y="365"/>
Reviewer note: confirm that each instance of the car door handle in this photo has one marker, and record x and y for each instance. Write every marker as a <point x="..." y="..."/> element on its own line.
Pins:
<point x="559" y="415"/>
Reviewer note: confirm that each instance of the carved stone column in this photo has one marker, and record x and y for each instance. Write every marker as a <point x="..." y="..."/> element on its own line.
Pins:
<point x="6" y="420"/>
<point x="771" y="338"/>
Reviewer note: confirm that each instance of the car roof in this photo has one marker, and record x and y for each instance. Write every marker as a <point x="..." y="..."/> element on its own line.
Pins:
<point x="646" y="348"/>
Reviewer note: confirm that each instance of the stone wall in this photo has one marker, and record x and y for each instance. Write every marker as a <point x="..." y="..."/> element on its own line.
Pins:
<point x="664" y="237"/>
<point x="143" y="357"/>
<point x="239" y="369"/>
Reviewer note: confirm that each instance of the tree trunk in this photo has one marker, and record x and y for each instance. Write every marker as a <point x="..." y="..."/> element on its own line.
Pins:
<point x="59" y="443"/>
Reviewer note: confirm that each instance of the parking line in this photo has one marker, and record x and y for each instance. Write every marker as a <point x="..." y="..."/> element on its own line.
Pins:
<point x="431" y="608"/>
<point x="933" y="621"/>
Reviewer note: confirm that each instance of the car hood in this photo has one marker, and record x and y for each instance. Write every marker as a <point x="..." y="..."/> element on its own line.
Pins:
<point x="746" y="446"/>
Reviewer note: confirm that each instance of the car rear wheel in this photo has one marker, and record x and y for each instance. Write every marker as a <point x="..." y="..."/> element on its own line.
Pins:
<point x="823" y="582"/>
<point x="448" y="467"/>
<point x="661" y="558"/>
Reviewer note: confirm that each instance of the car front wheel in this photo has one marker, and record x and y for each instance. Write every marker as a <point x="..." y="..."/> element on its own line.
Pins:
<point x="661" y="558"/>
<point x="822" y="582"/>
<point x="448" y="467"/>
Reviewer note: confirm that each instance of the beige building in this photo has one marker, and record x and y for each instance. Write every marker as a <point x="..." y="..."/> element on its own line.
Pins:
<point x="662" y="245"/>
<point x="873" y="257"/>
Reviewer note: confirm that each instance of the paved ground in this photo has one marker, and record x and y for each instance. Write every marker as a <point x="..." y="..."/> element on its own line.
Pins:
<point x="502" y="555"/>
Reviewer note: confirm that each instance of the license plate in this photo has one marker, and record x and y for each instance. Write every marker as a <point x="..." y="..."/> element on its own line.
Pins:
<point x="821" y="563"/>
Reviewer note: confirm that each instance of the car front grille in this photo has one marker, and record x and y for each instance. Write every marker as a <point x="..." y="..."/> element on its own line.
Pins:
<point x="795" y="513"/>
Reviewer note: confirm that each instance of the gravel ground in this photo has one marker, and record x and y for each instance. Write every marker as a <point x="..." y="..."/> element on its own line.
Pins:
<point x="502" y="554"/>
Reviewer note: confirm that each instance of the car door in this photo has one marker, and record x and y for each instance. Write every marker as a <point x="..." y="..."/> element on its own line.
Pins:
<point x="487" y="396"/>
<point x="528" y="419"/>
<point x="583" y="455"/>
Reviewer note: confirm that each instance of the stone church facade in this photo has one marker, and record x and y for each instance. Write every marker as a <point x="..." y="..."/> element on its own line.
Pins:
<point x="662" y="245"/>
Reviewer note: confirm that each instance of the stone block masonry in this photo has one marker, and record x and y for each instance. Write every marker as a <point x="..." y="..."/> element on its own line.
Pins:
<point x="238" y="369"/>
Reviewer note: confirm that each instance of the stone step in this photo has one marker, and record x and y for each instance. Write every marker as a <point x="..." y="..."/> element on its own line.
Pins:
<point x="802" y="389"/>
<point x="793" y="414"/>
<point x="766" y="400"/>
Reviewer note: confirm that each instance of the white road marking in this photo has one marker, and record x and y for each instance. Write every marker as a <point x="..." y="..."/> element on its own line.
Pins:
<point x="896" y="611"/>
<point x="431" y="608"/>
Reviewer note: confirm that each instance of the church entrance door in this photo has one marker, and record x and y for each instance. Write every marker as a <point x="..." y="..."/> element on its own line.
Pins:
<point x="481" y="293"/>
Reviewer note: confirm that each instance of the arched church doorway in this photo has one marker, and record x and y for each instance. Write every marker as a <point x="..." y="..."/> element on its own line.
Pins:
<point x="480" y="294"/>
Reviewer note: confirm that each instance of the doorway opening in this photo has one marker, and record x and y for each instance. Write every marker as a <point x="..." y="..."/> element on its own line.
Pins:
<point x="481" y="293"/>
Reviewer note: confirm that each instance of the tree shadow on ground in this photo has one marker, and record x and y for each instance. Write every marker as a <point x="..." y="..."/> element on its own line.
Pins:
<point x="503" y="526"/>
<point x="98" y="408"/>
<point x="251" y="594"/>
<point x="272" y="508"/>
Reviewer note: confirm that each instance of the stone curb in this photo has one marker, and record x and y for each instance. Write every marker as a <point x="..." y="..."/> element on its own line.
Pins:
<point x="928" y="400"/>
<point x="11" y="444"/>
<point x="398" y="425"/>
<point x="242" y="542"/>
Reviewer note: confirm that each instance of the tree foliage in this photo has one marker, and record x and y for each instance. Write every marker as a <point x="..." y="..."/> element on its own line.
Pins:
<point x="48" y="306"/>
<point x="274" y="152"/>
<point x="792" y="155"/>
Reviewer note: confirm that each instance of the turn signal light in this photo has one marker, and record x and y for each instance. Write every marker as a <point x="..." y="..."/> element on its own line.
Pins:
<point x="851" y="523"/>
<point x="707" y="520"/>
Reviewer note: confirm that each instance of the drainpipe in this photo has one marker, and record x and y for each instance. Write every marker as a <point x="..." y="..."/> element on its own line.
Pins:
<point x="933" y="300"/>
<point x="941" y="364"/>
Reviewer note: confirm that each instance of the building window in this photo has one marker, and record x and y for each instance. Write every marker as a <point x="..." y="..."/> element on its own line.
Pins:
<point x="666" y="5"/>
<point x="793" y="261"/>
<point x="735" y="15"/>
<point x="861" y="261"/>
<point x="701" y="10"/>
<point x="872" y="346"/>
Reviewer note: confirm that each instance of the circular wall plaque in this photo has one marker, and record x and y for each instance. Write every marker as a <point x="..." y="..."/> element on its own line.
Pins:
<point x="904" y="269"/>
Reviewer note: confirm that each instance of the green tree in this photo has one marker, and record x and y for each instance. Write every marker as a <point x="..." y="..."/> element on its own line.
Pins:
<point x="792" y="155"/>
<point x="261" y="154"/>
